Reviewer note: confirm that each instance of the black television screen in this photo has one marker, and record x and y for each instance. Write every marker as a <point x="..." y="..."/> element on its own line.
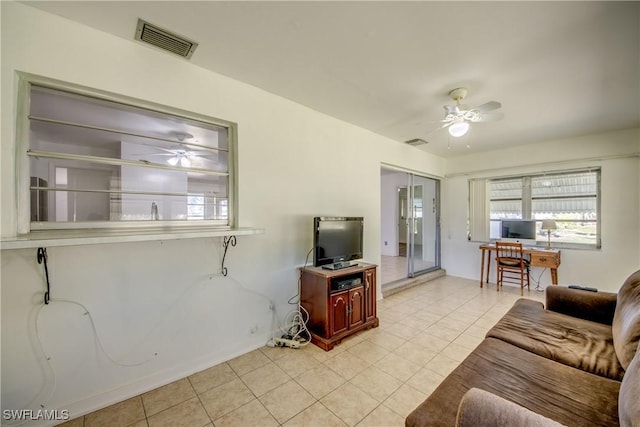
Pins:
<point x="337" y="240"/>
<point x="518" y="229"/>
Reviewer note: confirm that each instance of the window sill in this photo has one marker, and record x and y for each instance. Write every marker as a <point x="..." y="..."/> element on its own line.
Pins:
<point x="91" y="237"/>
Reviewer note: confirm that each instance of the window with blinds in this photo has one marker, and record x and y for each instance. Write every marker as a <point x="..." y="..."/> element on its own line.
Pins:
<point x="570" y="198"/>
<point x="102" y="162"/>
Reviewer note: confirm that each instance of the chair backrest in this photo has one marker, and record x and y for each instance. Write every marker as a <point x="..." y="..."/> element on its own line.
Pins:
<point x="509" y="250"/>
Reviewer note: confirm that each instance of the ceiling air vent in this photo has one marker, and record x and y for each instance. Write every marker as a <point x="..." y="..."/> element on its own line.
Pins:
<point x="416" y="141"/>
<point x="164" y="39"/>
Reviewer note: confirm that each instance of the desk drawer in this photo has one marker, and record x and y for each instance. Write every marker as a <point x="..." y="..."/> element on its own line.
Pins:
<point x="550" y="260"/>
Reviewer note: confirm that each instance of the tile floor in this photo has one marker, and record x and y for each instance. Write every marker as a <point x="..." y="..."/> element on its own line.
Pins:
<point x="392" y="268"/>
<point x="374" y="378"/>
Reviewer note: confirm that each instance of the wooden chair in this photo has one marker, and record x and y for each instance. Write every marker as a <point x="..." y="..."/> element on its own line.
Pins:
<point x="512" y="266"/>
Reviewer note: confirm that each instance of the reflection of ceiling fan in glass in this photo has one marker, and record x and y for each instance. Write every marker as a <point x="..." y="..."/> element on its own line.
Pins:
<point x="458" y="117"/>
<point x="181" y="155"/>
<point x="184" y="157"/>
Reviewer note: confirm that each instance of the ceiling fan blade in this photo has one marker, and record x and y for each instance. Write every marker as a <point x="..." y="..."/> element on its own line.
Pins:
<point x="445" y="125"/>
<point x="452" y="109"/>
<point x="488" y="117"/>
<point x="489" y="106"/>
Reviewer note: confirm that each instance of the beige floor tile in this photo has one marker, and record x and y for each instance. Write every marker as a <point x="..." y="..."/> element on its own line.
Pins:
<point x="442" y="332"/>
<point x="425" y="380"/>
<point x="449" y="323"/>
<point x="415" y="353"/>
<point x="248" y="362"/>
<point x="186" y="414"/>
<point x="295" y="362"/>
<point x="349" y="403"/>
<point x="456" y="351"/>
<point x="468" y="340"/>
<point x="350" y="341"/>
<point x="120" y="414"/>
<point x="265" y="378"/>
<point x="438" y="309"/>
<point x="251" y="414"/>
<point x="212" y="377"/>
<point x="405" y="332"/>
<point x="442" y="365"/>
<point x="390" y="317"/>
<point x="382" y="416"/>
<point x="430" y="342"/>
<point x="415" y="323"/>
<point x="386" y="339"/>
<point x="368" y="351"/>
<point x="286" y="401"/>
<point x="398" y="367"/>
<point x="487" y="322"/>
<point x="226" y="398"/>
<point x="144" y="423"/>
<point x="167" y="396"/>
<point x="404" y="400"/>
<point x="275" y="353"/>
<point x="321" y="355"/>
<point x="320" y="381"/>
<point x="375" y="382"/>
<point x="315" y="415"/>
<point x="476" y="331"/>
<point x="346" y="365"/>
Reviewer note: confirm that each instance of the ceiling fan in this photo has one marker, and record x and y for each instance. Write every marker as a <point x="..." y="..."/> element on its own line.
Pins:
<point x="458" y="117"/>
<point x="183" y="155"/>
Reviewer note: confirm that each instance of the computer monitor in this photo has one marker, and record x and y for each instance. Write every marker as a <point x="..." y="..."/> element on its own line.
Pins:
<point x="520" y="230"/>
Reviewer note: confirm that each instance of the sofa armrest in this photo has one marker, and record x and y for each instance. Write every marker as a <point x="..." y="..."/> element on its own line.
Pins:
<point x="481" y="408"/>
<point x="595" y="306"/>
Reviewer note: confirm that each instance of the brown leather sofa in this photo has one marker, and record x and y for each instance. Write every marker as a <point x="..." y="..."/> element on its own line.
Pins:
<point x="573" y="361"/>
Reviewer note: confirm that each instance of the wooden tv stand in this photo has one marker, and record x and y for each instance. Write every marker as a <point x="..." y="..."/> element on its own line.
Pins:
<point x="339" y="302"/>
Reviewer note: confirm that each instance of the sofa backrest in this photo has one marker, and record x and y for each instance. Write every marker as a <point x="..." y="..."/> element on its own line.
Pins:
<point x="626" y="320"/>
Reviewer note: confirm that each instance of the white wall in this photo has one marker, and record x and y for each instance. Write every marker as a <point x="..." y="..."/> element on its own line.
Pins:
<point x="160" y="304"/>
<point x="389" y="184"/>
<point x="615" y="152"/>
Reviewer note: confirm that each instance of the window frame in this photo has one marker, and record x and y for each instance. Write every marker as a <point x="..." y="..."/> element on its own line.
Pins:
<point x="22" y="172"/>
<point x="479" y="189"/>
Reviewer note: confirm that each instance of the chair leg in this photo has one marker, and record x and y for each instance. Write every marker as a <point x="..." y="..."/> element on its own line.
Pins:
<point x="521" y="283"/>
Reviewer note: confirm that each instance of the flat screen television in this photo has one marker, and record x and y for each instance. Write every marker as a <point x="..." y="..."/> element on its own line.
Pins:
<point x="518" y="230"/>
<point x="337" y="241"/>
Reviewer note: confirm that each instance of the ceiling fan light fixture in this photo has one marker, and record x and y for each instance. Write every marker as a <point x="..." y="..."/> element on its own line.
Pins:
<point x="185" y="162"/>
<point x="459" y="129"/>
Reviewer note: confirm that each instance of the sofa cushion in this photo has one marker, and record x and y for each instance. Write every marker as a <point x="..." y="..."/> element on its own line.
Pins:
<point x="553" y="390"/>
<point x="626" y="320"/>
<point x="481" y="408"/>
<point x="579" y="343"/>
<point x="629" y="397"/>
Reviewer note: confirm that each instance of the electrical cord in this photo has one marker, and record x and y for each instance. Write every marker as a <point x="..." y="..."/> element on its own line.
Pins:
<point x="295" y="323"/>
<point x="44" y="396"/>
<point x="538" y="288"/>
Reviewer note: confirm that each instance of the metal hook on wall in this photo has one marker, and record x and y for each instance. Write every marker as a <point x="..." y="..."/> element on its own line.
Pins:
<point x="42" y="257"/>
<point x="227" y="240"/>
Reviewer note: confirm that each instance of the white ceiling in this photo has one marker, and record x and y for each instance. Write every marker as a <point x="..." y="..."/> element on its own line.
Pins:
<point x="560" y="69"/>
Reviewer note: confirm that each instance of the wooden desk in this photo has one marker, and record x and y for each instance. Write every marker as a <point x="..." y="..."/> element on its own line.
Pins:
<point x="539" y="257"/>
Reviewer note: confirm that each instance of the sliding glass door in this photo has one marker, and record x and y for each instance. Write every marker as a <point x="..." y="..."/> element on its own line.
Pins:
<point x="422" y="225"/>
<point x="409" y="224"/>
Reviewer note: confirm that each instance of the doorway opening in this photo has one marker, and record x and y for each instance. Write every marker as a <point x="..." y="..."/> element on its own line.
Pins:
<point x="410" y="225"/>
